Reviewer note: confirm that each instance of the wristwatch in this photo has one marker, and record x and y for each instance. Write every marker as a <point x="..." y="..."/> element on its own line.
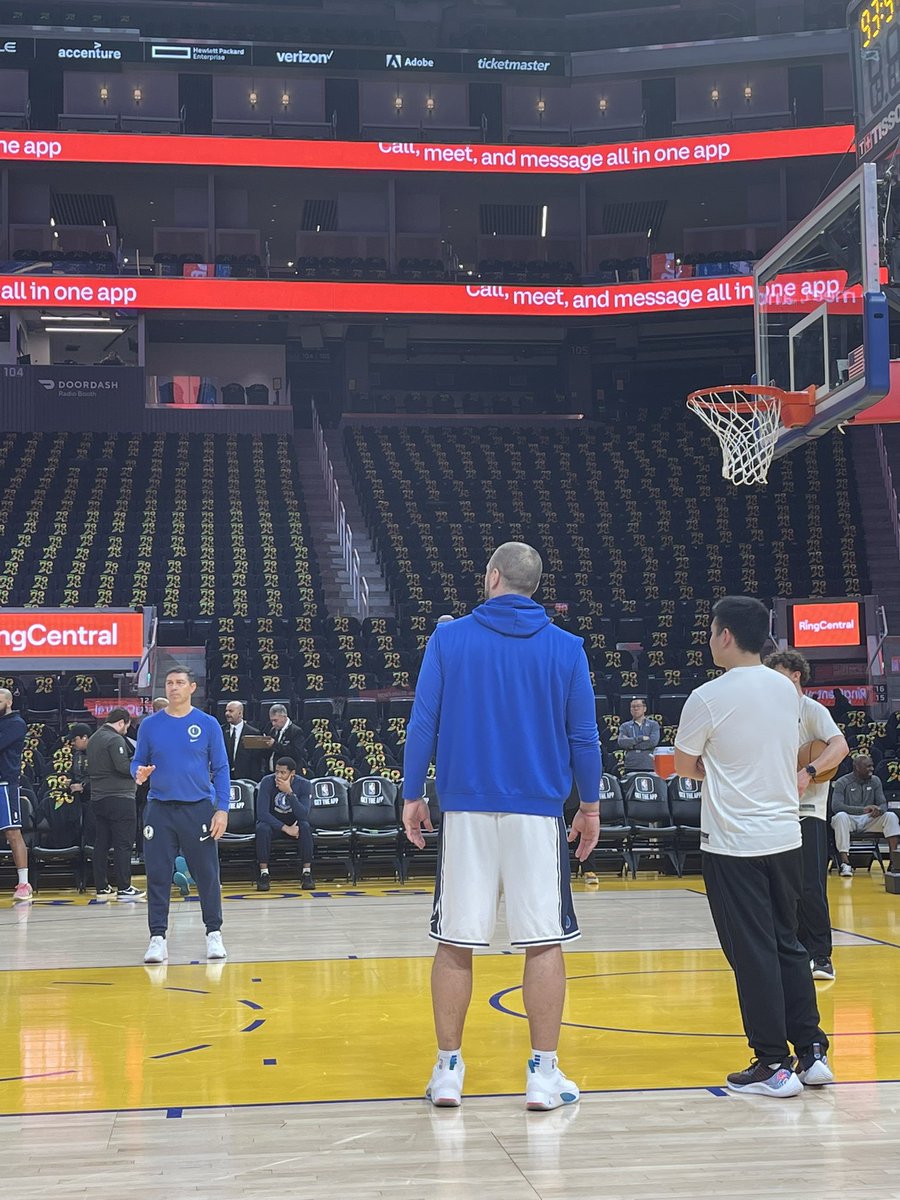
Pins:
<point x="811" y="771"/>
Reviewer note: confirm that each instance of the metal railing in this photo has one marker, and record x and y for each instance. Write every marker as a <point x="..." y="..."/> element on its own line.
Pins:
<point x="889" y="489"/>
<point x="359" y="585"/>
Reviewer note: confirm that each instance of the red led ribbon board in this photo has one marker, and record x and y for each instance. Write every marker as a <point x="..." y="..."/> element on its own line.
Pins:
<point x="453" y="299"/>
<point x="113" y="149"/>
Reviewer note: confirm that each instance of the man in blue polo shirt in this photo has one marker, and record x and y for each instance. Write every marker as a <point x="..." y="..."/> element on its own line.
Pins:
<point x="181" y="751"/>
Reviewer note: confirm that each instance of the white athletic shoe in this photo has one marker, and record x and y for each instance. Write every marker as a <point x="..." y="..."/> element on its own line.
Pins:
<point x="846" y="870"/>
<point x="157" y="951"/>
<point x="548" y="1089"/>
<point x="215" y="947"/>
<point x="813" y="1069"/>
<point x="445" y="1086"/>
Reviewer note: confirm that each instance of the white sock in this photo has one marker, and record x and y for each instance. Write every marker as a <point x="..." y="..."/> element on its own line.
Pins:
<point x="544" y="1060"/>
<point x="263" y="870"/>
<point x="23" y="874"/>
<point x="448" y="1060"/>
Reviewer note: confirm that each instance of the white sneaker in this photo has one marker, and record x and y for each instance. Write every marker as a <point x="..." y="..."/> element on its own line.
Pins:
<point x="157" y="951"/>
<point x="548" y="1089"/>
<point x="846" y="870"/>
<point x="814" y="1070"/>
<point x="215" y="947"/>
<point x="445" y="1086"/>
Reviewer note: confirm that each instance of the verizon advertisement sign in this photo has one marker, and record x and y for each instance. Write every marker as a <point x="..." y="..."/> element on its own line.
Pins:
<point x="455" y="299"/>
<point x="69" y="639"/>
<point x="827" y="624"/>
<point x="165" y="150"/>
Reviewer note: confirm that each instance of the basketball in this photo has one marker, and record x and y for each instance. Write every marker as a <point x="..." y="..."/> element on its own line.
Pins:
<point x="808" y="753"/>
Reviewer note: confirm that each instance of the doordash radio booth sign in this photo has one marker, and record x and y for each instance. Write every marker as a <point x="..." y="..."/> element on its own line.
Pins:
<point x="70" y="639"/>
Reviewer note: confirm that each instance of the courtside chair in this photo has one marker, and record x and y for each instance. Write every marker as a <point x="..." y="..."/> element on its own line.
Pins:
<point x="332" y="828"/>
<point x="647" y="807"/>
<point x="373" y="813"/>
<point x="240" y="834"/>
<point x="684" y="805"/>
<point x="614" y="841"/>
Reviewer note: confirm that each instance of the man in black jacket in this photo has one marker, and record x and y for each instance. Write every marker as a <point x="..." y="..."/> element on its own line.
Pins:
<point x="12" y="739"/>
<point x="242" y="763"/>
<point x="285" y="738"/>
<point x="113" y="804"/>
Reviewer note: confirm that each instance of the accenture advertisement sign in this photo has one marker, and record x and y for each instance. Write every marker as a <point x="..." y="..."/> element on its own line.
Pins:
<point x="71" y="639"/>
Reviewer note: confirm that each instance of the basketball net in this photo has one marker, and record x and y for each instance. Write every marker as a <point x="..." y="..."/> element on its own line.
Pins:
<point x="747" y="421"/>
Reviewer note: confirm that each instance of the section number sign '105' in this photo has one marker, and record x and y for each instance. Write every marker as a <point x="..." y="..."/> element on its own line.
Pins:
<point x="875" y="57"/>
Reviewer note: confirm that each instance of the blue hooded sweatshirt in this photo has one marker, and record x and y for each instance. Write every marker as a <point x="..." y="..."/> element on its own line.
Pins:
<point x="506" y="697"/>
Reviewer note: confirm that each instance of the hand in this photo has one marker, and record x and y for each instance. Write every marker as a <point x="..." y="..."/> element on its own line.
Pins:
<point x="291" y="830"/>
<point x="284" y="786"/>
<point x="218" y="825"/>
<point x="142" y="774"/>
<point x="586" y="828"/>
<point x="270" y="742"/>
<point x="872" y="810"/>
<point x="415" y="816"/>
<point x="76" y="787"/>
<point x="803" y="781"/>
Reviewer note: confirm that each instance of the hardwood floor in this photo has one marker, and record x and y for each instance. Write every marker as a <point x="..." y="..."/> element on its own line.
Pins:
<point x="298" y="1065"/>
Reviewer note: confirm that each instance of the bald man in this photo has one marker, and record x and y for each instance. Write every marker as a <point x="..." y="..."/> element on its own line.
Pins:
<point x="12" y="741"/>
<point x="242" y="763"/>
<point x="505" y="699"/>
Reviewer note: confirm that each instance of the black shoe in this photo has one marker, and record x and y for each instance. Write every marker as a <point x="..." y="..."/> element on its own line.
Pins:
<point x="262" y="884"/>
<point x="822" y="968"/>
<point x="777" y="1080"/>
<point x="106" y="893"/>
<point x="307" y="882"/>
<point x="813" y="1069"/>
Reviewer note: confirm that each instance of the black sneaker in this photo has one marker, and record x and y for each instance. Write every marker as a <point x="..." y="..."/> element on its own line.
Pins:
<point x="813" y="1069"/>
<point x="131" y="893"/>
<point x="822" y="968"/>
<point x="777" y="1080"/>
<point x="262" y="884"/>
<point x="106" y="893"/>
<point x="307" y="882"/>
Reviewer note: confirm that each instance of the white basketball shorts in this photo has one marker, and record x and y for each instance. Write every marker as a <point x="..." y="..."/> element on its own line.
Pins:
<point x="10" y="815"/>
<point x="525" y="859"/>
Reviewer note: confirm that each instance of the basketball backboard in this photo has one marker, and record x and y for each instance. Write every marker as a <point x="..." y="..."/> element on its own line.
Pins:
<point x="820" y="311"/>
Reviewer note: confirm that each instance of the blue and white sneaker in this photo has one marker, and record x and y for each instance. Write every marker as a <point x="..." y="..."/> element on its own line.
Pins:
<point x="545" y="1090"/>
<point x="445" y="1086"/>
<point x="813" y="1069"/>
<point x="777" y="1080"/>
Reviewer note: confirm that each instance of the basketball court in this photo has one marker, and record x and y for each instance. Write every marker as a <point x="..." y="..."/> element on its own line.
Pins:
<point x="313" y="1042"/>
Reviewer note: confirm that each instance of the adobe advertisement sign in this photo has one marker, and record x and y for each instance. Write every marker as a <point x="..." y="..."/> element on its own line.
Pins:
<point x="190" y="150"/>
<point x="826" y="625"/>
<point x="71" y="639"/>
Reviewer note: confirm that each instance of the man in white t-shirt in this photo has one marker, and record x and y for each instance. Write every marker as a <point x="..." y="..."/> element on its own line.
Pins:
<point x="739" y="734"/>
<point x="816" y="724"/>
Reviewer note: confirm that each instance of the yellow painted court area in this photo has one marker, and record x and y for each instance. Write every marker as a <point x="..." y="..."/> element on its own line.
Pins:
<point x="344" y="1027"/>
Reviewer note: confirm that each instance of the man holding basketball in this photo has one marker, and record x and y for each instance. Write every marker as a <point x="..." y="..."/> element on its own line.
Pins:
<point x="826" y="749"/>
<point x="739" y="735"/>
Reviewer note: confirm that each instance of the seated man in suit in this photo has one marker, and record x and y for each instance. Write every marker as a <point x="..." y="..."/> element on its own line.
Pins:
<point x="242" y="763"/>
<point x="285" y="738"/>
<point x="282" y="807"/>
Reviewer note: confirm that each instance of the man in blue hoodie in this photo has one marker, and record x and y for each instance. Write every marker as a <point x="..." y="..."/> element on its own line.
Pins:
<point x="181" y="751"/>
<point x="505" y="698"/>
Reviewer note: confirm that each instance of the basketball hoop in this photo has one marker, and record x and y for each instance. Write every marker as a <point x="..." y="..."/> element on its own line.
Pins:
<point x="747" y="421"/>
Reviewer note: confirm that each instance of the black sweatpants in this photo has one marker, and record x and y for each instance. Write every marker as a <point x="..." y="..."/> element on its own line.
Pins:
<point x="814" y="919"/>
<point x="753" y="902"/>
<point x="168" y="825"/>
<point x="114" y="818"/>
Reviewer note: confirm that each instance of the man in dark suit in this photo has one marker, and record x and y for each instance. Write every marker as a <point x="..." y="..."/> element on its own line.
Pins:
<point x="287" y="739"/>
<point x="242" y="763"/>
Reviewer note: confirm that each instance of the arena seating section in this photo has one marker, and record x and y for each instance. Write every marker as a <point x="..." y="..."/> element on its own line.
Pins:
<point x="639" y="533"/>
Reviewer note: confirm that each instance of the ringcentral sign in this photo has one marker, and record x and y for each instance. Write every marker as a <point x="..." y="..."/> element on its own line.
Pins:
<point x="67" y="639"/>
